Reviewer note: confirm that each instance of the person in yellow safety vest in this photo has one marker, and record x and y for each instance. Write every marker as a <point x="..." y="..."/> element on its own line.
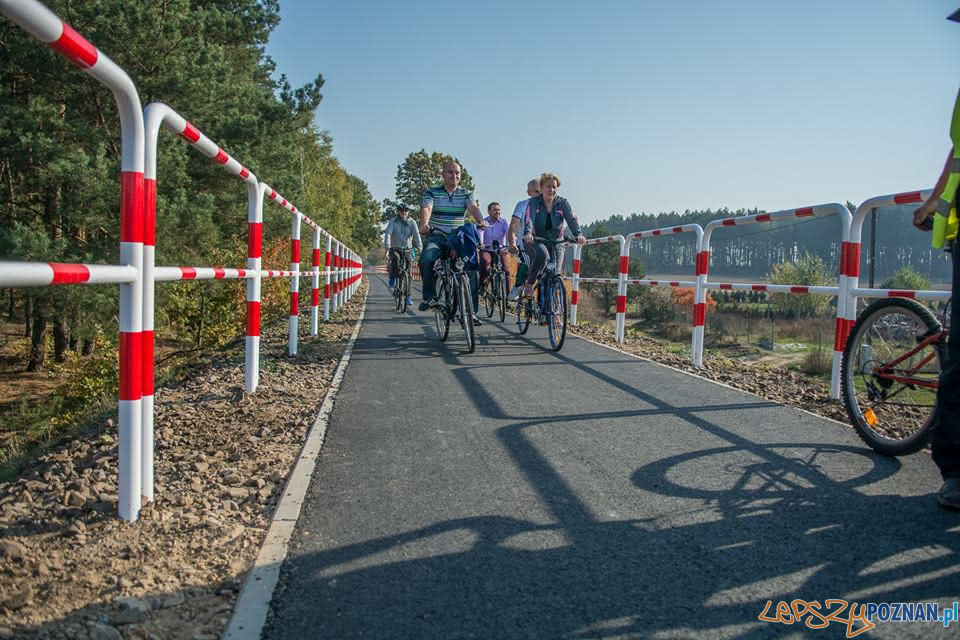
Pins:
<point x="942" y="207"/>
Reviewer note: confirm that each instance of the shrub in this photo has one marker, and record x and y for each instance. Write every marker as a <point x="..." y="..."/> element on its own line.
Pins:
<point x="906" y="278"/>
<point x="816" y="363"/>
<point x="808" y="270"/>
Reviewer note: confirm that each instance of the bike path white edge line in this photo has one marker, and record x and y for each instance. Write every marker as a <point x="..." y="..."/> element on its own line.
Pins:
<point x="250" y="610"/>
<point x="722" y="384"/>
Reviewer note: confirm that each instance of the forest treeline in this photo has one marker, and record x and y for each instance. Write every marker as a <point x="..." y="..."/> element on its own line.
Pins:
<point x="59" y="157"/>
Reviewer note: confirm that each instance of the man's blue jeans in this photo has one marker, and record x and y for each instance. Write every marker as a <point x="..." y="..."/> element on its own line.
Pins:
<point x="434" y="248"/>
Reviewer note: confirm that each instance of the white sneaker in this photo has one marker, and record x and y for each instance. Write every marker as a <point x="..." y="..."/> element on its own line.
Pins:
<point x="514" y="293"/>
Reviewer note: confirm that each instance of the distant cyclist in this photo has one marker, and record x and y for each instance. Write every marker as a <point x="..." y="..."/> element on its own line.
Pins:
<point x="516" y="233"/>
<point x="544" y="218"/>
<point x="401" y="234"/>
<point x="496" y="232"/>
<point x="445" y="208"/>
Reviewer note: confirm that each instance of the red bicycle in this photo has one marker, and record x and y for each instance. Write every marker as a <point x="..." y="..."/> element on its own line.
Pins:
<point x="889" y="373"/>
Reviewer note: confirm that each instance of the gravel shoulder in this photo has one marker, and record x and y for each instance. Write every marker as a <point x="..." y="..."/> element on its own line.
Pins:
<point x="70" y="569"/>
<point x="779" y="384"/>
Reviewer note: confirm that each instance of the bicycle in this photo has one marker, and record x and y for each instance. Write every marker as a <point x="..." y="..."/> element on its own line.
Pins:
<point x="401" y="289"/>
<point x="453" y="298"/>
<point x="494" y="292"/>
<point x="549" y="303"/>
<point x="889" y="374"/>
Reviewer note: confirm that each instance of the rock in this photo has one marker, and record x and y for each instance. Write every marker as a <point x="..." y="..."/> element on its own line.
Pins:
<point x="276" y="477"/>
<point x="173" y="600"/>
<point x="201" y="467"/>
<point x="237" y="493"/>
<point x="256" y="483"/>
<point x="75" y="499"/>
<point x="128" y="616"/>
<point x="20" y="599"/>
<point x="133" y="603"/>
<point x="232" y="478"/>
<point x="104" y="632"/>
<point x="77" y="528"/>
<point x="12" y="550"/>
<point x="125" y="582"/>
<point x="6" y="632"/>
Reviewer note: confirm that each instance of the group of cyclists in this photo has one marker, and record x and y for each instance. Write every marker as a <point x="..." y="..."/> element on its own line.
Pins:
<point x="450" y="217"/>
<point x="449" y="214"/>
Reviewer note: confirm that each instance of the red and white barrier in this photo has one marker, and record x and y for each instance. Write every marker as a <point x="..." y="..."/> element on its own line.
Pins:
<point x="818" y="211"/>
<point x="155" y="115"/>
<point x="43" y="24"/>
<point x="43" y="274"/>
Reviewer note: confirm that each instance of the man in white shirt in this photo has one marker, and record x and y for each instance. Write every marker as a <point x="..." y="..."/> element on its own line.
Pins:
<point x="516" y="228"/>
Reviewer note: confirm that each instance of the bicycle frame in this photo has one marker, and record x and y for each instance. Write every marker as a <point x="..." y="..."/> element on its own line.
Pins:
<point x="882" y="371"/>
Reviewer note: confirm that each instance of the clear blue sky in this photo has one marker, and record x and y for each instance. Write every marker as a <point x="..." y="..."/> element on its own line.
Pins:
<point x="637" y="105"/>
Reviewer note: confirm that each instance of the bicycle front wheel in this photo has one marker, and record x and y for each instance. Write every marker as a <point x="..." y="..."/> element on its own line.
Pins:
<point x="441" y="312"/>
<point x="405" y="293"/>
<point x="466" y="311"/>
<point x="556" y="304"/>
<point x="889" y="374"/>
<point x="500" y="289"/>
<point x="489" y="296"/>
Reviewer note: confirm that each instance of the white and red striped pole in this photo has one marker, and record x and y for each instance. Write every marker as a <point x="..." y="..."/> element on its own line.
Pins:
<point x="700" y="303"/>
<point x="251" y="377"/>
<point x="575" y="287"/>
<point x="622" y="288"/>
<point x="294" y="283"/>
<point x="336" y="275"/>
<point x="328" y="278"/>
<point x="156" y="115"/>
<point x="315" y="299"/>
<point x="48" y="28"/>
<point x="852" y="276"/>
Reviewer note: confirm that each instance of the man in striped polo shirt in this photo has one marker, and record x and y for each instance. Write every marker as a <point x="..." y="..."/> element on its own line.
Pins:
<point x="444" y="209"/>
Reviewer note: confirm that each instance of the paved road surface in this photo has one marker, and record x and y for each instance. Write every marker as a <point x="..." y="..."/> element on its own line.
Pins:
<point x="520" y="493"/>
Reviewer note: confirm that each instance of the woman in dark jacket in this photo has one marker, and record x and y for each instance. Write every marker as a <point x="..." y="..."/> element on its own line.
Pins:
<point x="545" y="216"/>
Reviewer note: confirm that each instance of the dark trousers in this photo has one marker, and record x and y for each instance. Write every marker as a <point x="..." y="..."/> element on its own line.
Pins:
<point x="395" y="256"/>
<point x="486" y="261"/>
<point x="434" y="247"/>
<point x="537" y="257"/>
<point x="945" y="445"/>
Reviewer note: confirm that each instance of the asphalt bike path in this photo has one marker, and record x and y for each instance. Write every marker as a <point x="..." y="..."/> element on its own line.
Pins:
<point x="518" y="492"/>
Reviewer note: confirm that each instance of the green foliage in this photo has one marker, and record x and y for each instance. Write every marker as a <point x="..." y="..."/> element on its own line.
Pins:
<point x="906" y="278"/>
<point x="59" y="156"/>
<point x="418" y="172"/>
<point x="809" y="269"/>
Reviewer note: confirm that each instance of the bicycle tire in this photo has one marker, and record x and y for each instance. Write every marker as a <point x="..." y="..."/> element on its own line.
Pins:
<point x="501" y="289"/>
<point x="900" y="428"/>
<point x="489" y="301"/>
<point x="405" y="294"/>
<point x="441" y="312"/>
<point x="396" y="294"/>
<point x="556" y="300"/>
<point x="466" y="311"/>
<point x="524" y="314"/>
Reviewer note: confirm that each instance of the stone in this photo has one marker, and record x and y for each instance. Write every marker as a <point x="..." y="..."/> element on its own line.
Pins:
<point x="12" y="550"/>
<point x="232" y="478"/>
<point x="20" y="599"/>
<point x="173" y="600"/>
<point x="237" y="493"/>
<point x="128" y="616"/>
<point x="201" y="467"/>
<point x="104" y="632"/>
<point x="75" y="498"/>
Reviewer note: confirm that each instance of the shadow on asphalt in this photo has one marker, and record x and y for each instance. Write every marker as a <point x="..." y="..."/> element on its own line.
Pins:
<point x="761" y="519"/>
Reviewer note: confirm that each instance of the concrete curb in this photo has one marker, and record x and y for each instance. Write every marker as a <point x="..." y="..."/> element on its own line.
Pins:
<point x="250" y="611"/>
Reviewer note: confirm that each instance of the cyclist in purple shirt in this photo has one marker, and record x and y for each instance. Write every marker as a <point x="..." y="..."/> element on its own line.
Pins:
<point x="496" y="231"/>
